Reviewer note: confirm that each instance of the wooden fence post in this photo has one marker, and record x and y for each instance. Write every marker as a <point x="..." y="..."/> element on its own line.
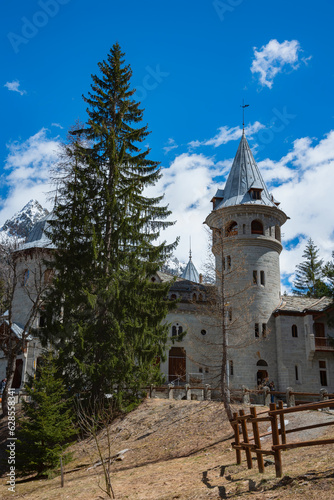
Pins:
<point x="282" y="423"/>
<point x="257" y="441"/>
<point x="246" y="440"/>
<point x="275" y="437"/>
<point x="237" y="437"/>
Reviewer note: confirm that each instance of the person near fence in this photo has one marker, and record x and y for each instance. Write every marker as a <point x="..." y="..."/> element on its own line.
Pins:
<point x="272" y="388"/>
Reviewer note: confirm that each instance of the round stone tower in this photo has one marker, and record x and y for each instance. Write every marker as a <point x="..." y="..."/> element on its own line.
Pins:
<point x="246" y="224"/>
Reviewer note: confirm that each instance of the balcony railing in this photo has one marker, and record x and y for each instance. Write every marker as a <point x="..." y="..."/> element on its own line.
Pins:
<point x="324" y="344"/>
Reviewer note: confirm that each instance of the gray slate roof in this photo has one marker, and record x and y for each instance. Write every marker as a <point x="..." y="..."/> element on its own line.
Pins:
<point x="190" y="273"/>
<point x="297" y="304"/>
<point x="244" y="175"/>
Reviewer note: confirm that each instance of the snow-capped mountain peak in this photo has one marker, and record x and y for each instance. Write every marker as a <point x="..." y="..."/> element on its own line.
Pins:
<point x="17" y="228"/>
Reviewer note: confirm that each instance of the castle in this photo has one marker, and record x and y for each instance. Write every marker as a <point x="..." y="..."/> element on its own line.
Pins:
<point x="285" y="339"/>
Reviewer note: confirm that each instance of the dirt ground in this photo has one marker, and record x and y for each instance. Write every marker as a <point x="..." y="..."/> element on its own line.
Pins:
<point x="182" y="450"/>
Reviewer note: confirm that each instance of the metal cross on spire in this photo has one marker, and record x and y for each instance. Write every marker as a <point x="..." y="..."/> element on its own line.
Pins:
<point x="243" y="115"/>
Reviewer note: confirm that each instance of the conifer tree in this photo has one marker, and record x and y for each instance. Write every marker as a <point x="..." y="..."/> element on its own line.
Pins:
<point x="109" y="328"/>
<point x="309" y="273"/>
<point x="47" y="425"/>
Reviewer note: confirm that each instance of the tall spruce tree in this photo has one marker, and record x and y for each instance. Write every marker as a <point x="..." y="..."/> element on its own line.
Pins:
<point x="105" y="313"/>
<point x="46" y="427"/>
<point x="309" y="273"/>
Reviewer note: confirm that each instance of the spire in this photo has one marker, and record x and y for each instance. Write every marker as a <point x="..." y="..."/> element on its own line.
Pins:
<point x="190" y="273"/>
<point x="245" y="183"/>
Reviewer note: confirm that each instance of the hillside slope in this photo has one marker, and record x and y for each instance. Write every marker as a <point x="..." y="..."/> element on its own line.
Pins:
<point x="182" y="450"/>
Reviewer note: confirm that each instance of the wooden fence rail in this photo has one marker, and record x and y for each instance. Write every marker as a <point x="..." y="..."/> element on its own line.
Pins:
<point x="252" y="444"/>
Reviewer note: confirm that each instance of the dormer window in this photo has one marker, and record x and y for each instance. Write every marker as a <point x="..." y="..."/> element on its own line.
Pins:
<point x="255" y="194"/>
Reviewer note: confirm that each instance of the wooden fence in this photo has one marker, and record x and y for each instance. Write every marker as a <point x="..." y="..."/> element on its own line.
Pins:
<point x="252" y="444"/>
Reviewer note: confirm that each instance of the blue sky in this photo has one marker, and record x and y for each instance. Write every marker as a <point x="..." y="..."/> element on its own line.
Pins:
<point x="193" y="63"/>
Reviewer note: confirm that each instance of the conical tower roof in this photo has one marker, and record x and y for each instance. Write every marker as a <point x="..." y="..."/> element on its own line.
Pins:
<point x="245" y="183"/>
<point x="190" y="273"/>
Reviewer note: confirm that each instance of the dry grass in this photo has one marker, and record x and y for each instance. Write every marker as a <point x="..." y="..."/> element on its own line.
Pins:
<point x="182" y="450"/>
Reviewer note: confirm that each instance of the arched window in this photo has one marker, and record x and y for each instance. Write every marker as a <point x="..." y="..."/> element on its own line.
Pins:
<point x="173" y="296"/>
<point x="256" y="227"/>
<point x="294" y="331"/>
<point x="262" y="362"/>
<point x="194" y="297"/>
<point x="176" y="330"/>
<point x="200" y="298"/>
<point x="231" y="229"/>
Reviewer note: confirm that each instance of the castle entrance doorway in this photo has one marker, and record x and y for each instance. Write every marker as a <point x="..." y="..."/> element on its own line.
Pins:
<point x="262" y="373"/>
<point x="177" y="365"/>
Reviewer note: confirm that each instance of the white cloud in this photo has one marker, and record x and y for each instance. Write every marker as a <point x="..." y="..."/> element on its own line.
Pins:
<point x="272" y="58"/>
<point x="27" y="172"/>
<point x="14" y="86"/>
<point x="188" y="184"/>
<point x="56" y="125"/>
<point x="306" y="196"/>
<point x="171" y="144"/>
<point x="226" y="134"/>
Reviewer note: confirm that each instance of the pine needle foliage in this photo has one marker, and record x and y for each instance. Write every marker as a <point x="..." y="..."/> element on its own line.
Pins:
<point x="308" y="280"/>
<point x="106" y="315"/>
<point x="46" y="427"/>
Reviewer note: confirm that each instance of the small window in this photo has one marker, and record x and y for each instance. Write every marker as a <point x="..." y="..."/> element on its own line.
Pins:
<point x="294" y="331"/>
<point x="231" y="229"/>
<point x="254" y="277"/>
<point x="230" y="314"/>
<point x="174" y="331"/>
<point x="264" y="330"/>
<point x="173" y="296"/>
<point x="256" y="227"/>
<point x="255" y="194"/>
<point x="228" y="262"/>
<point x="194" y="297"/>
<point x="323" y="373"/>
<point x="200" y="298"/>
<point x="244" y="229"/>
<point x="25" y="277"/>
<point x="257" y="334"/>
<point x="48" y="276"/>
<point x="296" y="373"/>
<point x="231" y="368"/>
<point x="42" y="320"/>
<point x="262" y="278"/>
<point x="153" y="280"/>
<point x="200" y="370"/>
<point x="203" y="332"/>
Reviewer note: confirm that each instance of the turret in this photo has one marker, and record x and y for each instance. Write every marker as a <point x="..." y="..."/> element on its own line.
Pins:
<point x="246" y="224"/>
